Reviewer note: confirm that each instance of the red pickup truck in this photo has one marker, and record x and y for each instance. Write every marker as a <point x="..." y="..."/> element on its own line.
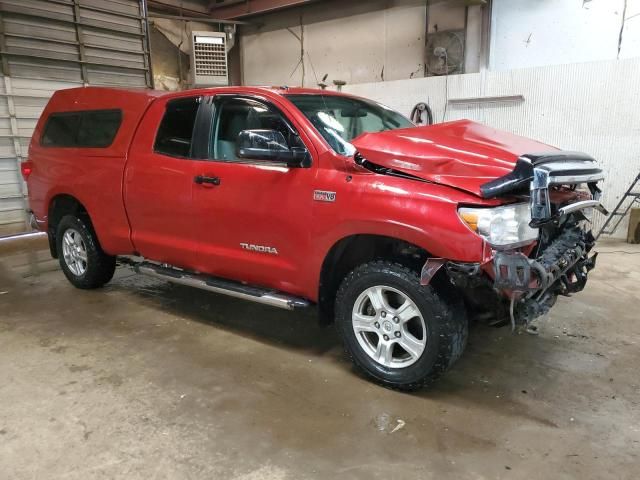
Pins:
<point x="295" y="197"/>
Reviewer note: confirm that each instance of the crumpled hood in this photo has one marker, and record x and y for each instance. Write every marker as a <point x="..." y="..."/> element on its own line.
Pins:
<point x="461" y="154"/>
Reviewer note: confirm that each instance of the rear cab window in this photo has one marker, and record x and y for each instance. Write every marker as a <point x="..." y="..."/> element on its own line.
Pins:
<point x="175" y="136"/>
<point x="81" y="129"/>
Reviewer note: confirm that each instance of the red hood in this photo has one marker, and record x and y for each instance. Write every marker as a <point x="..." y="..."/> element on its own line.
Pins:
<point x="461" y="154"/>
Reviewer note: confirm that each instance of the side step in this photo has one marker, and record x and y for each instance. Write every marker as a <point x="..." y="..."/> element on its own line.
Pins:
<point x="225" y="287"/>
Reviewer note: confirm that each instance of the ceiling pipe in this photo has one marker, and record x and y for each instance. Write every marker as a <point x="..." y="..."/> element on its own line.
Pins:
<point x="244" y="8"/>
<point x="159" y="6"/>
<point x="197" y="19"/>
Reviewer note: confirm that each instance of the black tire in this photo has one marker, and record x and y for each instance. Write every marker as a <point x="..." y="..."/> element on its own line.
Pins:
<point x="100" y="267"/>
<point x="445" y="321"/>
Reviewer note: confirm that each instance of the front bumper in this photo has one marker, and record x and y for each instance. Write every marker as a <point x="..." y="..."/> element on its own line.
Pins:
<point x="534" y="284"/>
<point x="523" y="287"/>
<point x="562" y="266"/>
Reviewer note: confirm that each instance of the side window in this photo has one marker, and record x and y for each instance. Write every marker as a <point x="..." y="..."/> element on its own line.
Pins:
<point x="61" y="130"/>
<point x="85" y="129"/>
<point x="99" y="128"/>
<point x="175" y="135"/>
<point x="237" y="114"/>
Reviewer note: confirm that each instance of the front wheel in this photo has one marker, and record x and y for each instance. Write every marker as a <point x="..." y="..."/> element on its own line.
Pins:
<point x="397" y="332"/>
<point x="81" y="258"/>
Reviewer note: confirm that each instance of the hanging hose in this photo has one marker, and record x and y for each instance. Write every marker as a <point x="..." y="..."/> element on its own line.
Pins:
<point x="417" y="114"/>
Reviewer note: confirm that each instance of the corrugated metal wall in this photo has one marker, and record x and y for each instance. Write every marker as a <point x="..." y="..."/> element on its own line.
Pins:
<point x="47" y="45"/>
<point x="590" y="107"/>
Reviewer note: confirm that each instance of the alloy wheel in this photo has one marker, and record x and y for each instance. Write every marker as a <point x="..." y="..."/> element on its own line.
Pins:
<point x="389" y="326"/>
<point x="74" y="252"/>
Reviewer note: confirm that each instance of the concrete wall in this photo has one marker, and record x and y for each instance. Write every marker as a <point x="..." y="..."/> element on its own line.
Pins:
<point x="169" y="64"/>
<point x="379" y="40"/>
<point x="590" y="107"/>
<point x="529" y="33"/>
<point x="354" y="41"/>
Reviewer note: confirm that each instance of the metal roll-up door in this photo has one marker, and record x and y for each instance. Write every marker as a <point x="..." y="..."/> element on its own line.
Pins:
<point x="48" y="45"/>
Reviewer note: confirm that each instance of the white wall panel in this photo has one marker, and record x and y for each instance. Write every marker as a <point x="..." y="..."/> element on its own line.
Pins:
<point x="529" y="33"/>
<point x="590" y="107"/>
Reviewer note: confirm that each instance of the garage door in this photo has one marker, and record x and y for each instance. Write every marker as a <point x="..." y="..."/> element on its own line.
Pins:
<point x="48" y="45"/>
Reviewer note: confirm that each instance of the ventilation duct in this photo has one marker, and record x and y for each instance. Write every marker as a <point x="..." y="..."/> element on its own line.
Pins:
<point x="209" y="59"/>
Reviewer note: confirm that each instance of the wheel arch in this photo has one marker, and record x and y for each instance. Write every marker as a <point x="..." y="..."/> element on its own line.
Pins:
<point x="60" y="205"/>
<point x="351" y="251"/>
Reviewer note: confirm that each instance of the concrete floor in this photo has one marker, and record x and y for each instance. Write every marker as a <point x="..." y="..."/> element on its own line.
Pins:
<point x="143" y="380"/>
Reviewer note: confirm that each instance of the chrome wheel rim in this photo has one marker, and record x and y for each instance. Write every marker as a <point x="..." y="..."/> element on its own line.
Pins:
<point x="389" y="327"/>
<point x="74" y="252"/>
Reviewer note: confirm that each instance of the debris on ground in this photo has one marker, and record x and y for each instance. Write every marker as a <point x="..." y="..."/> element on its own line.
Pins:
<point x="399" y="426"/>
<point x="384" y="423"/>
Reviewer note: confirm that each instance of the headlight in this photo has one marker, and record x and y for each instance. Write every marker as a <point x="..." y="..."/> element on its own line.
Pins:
<point x="501" y="227"/>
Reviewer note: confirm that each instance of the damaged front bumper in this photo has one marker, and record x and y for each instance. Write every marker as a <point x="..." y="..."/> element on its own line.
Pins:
<point x="530" y="281"/>
<point x="528" y="286"/>
<point x="563" y="264"/>
<point x="534" y="284"/>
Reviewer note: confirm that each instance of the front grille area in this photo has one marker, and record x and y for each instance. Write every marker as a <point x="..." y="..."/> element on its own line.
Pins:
<point x="536" y="174"/>
<point x="569" y="169"/>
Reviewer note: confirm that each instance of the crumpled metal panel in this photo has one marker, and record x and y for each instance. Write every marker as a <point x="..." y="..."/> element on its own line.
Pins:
<point x="462" y="154"/>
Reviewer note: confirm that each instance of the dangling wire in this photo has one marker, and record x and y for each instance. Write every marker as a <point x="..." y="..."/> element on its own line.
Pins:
<point x="446" y="85"/>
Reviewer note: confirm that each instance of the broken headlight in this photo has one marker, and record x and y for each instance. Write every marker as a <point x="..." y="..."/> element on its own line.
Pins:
<point x="502" y="227"/>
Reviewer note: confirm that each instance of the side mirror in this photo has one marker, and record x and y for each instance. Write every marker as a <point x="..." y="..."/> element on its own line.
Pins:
<point x="270" y="145"/>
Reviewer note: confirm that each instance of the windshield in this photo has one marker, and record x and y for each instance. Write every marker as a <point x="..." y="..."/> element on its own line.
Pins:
<point x="341" y="119"/>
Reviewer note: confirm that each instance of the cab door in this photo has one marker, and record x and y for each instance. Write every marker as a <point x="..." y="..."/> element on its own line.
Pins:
<point x="253" y="211"/>
<point x="158" y="186"/>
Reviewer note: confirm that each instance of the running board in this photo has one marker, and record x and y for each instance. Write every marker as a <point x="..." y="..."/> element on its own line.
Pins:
<point x="225" y="287"/>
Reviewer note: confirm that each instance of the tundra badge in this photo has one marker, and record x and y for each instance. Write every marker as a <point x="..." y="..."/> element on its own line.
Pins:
<point x="259" y="248"/>
<point x="324" y="196"/>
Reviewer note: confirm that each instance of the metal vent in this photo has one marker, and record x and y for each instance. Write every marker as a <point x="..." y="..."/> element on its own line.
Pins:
<point x="210" y="58"/>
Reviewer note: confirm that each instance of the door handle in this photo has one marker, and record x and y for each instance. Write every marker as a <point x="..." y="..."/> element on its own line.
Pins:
<point x="201" y="179"/>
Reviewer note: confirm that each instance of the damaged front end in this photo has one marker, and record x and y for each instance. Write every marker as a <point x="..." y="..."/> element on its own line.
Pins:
<point x="533" y="284"/>
<point x="525" y="269"/>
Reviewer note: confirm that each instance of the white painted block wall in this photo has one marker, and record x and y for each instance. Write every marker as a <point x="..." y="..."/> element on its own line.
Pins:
<point x="526" y="33"/>
<point x="591" y="107"/>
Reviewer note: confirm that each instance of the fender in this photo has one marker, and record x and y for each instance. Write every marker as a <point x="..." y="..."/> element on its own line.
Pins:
<point x="440" y="238"/>
<point x="107" y="217"/>
<point x="420" y="213"/>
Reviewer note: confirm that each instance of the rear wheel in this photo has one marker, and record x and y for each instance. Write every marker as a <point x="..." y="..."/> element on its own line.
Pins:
<point x="397" y="332"/>
<point x="81" y="258"/>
